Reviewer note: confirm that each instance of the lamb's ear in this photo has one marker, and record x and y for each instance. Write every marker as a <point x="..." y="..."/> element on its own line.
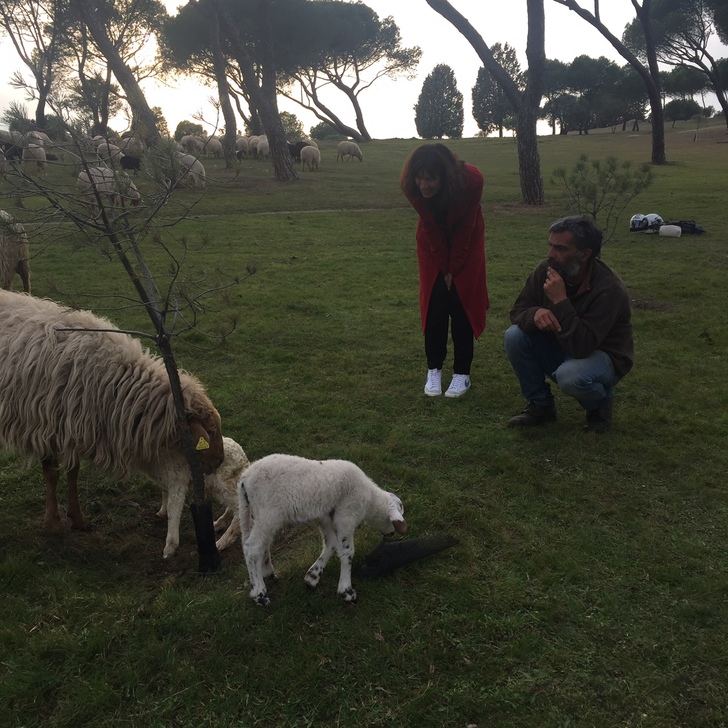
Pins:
<point x="400" y="526"/>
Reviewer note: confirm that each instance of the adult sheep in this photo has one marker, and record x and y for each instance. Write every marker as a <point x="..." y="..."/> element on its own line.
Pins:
<point x="348" y="149"/>
<point x="34" y="156"/>
<point x="109" y="153"/>
<point x="191" y="172"/>
<point x="263" y="147"/>
<point x="311" y="157"/>
<point x="192" y="144"/>
<point x="14" y="253"/>
<point x="114" y="188"/>
<point x="96" y="394"/>
<point x="213" y="147"/>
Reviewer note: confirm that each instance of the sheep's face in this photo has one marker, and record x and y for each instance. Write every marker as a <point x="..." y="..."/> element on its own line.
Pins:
<point x="395" y="517"/>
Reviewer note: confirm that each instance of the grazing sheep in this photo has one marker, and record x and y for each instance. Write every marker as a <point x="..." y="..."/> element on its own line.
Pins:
<point x="294" y="148"/>
<point x="222" y="487"/>
<point x="114" y="188"/>
<point x="128" y="162"/>
<point x="213" y="148"/>
<point x="348" y="149"/>
<point x="192" y="144"/>
<point x="108" y="153"/>
<point x="96" y="395"/>
<point x="263" y="148"/>
<point x="191" y="172"/>
<point x="241" y="146"/>
<point x="311" y="157"/>
<point x="132" y="146"/>
<point x="253" y="145"/>
<point x="279" y="490"/>
<point x="34" y="154"/>
<point x="14" y="253"/>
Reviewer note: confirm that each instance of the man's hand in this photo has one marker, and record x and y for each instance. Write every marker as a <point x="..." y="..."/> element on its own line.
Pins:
<point x="545" y="320"/>
<point x="554" y="286"/>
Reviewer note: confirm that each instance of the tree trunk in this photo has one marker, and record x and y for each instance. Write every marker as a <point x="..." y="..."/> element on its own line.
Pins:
<point x="363" y="135"/>
<point x="525" y="105"/>
<point x="529" y="162"/>
<point x="142" y="116"/>
<point x="219" y="64"/>
<point x="263" y="95"/>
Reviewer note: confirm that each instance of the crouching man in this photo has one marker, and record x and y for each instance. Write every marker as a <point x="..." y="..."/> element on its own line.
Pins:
<point x="571" y="323"/>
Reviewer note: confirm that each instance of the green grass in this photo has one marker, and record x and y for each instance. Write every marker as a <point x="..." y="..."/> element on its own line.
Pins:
<point x="589" y="586"/>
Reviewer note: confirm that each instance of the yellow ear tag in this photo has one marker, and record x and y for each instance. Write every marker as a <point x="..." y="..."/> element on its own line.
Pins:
<point x="202" y="444"/>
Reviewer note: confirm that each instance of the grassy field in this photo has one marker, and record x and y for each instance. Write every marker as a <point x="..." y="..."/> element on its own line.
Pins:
<point x="589" y="585"/>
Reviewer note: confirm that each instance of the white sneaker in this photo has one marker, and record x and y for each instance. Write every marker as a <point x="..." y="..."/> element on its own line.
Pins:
<point x="433" y="385"/>
<point x="459" y="385"/>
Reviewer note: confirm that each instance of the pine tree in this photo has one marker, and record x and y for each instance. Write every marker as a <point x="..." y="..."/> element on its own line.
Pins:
<point x="439" y="108"/>
<point x="491" y="109"/>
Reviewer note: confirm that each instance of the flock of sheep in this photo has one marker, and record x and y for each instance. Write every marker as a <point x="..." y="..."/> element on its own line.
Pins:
<point x="76" y="388"/>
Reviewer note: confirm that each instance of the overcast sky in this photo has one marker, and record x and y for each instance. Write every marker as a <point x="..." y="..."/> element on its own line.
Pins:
<point x="388" y="105"/>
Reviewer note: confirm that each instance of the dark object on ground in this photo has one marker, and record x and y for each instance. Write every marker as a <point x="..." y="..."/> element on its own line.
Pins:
<point x="533" y="415"/>
<point x="688" y="227"/>
<point x="390" y="555"/>
<point x="128" y="162"/>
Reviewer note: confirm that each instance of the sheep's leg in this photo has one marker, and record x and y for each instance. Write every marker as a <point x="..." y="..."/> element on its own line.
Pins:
<point x="268" y="569"/>
<point x="162" y="512"/>
<point x="313" y="575"/>
<point x="74" y="507"/>
<point x="221" y="522"/>
<point x="23" y="270"/>
<point x="230" y="536"/>
<point x="345" y="552"/>
<point x="175" y="503"/>
<point x="52" y="519"/>
<point x="254" y="550"/>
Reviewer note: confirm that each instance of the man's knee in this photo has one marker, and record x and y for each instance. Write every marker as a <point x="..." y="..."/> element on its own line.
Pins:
<point x="515" y="340"/>
<point x="575" y="377"/>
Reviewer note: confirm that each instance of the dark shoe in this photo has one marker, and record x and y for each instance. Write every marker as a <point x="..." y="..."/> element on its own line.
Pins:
<point x="599" y="419"/>
<point x="533" y="415"/>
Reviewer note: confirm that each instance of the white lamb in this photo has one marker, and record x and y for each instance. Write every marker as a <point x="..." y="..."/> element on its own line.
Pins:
<point x="310" y="157"/>
<point x="278" y="490"/>
<point x="222" y="487"/>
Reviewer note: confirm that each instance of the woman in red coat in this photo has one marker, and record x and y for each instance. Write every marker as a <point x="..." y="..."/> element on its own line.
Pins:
<point x="446" y="193"/>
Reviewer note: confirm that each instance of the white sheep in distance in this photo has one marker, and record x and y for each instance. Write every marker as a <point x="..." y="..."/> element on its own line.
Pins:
<point x="14" y="253"/>
<point x="96" y="395"/>
<point x="213" y="147"/>
<point x="347" y="149"/>
<point x="263" y="147"/>
<point x="114" y="188"/>
<point x="311" y="157"/>
<point x="191" y="172"/>
<point x="34" y="155"/>
<point x="192" y="144"/>
<point x="109" y="153"/>
<point x="279" y="490"/>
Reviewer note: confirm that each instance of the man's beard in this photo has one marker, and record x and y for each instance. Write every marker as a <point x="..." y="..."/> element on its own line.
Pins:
<point x="569" y="271"/>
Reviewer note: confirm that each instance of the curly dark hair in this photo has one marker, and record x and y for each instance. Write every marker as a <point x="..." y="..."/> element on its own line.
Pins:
<point x="434" y="160"/>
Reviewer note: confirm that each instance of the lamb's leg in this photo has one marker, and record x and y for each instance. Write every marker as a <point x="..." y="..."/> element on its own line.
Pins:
<point x="268" y="569"/>
<point x="175" y="503"/>
<point x="254" y="549"/>
<point x="230" y="535"/>
<point x="345" y="552"/>
<point x="74" y="507"/>
<point x="52" y="519"/>
<point x="219" y="523"/>
<point x="313" y="575"/>
<point x="162" y="512"/>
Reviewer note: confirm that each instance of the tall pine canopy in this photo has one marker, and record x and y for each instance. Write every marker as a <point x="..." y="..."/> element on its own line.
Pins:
<point x="439" y="108"/>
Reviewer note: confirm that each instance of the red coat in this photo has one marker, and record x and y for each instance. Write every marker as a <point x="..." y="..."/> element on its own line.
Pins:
<point x="464" y="257"/>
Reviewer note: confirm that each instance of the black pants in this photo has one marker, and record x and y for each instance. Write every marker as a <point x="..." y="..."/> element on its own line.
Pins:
<point x="444" y="307"/>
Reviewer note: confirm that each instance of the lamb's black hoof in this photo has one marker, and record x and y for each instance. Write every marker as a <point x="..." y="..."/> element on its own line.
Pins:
<point x="262" y="600"/>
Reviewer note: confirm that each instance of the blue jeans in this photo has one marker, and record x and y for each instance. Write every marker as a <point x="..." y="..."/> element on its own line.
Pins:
<point x="536" y="356"/>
